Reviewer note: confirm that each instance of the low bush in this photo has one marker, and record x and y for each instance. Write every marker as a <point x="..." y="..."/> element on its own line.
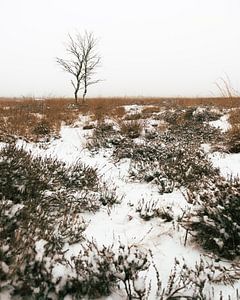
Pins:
<point x="151" y="209"/>
<point x="44" y="272"/>
<point x="41" y="201"/>
<point x="149" y="110"/>
<point x="103" y="136"/>
<point x="233" y="134"/>
<point x="20" y="176"/>
<point x="170" y="166"/>
<point x="98" y="269"/>
<point x="24" y="177"/>
<point x="206" y="114"/>
<point x="233" y="139"/>
<point x="32" y="237"/>
<point x="42" y="128"/>
<point x="216" y="221"/>
<point x="131" y="129"/>
<point x="181" y="115"/>
<point x="134" y="116"/>
<point x="185" y="282"/>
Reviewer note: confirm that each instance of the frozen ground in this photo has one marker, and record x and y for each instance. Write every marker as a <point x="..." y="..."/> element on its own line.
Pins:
<point x="122" y="222"/>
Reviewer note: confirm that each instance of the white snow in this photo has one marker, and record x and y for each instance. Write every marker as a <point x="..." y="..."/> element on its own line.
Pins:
<point x="229" y="164"/>
<point x="133" y="109"/>
<point x="15" y="208"/>
<point x="122" y="223"/>
<point x="222" y="123"/>
<point x="39" y="247"/>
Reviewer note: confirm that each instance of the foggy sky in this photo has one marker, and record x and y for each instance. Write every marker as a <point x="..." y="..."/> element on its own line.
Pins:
<point x="148" y="48"/>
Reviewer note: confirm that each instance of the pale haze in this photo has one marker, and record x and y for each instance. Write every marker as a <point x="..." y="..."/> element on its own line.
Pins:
<point x="148" y="48"/>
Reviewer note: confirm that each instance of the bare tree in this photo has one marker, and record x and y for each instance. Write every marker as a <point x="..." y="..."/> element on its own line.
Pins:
<point x="82" y="63"/>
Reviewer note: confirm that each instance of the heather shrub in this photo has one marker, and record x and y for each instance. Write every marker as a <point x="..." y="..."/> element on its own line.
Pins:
<point x="206" y="114"/>
<point x="32" y="238"/>
<point x="41" y="202"/>
<point x="42" y="128"/>
<point x="233" y="138"/>
<point x="134" y="116"/>
<point x="131" y="129"/>
<point x="100" y="268"/>
<point x="20" y="176"/>
<point x="33" y="269"/>
<point x="195" y="282"/>
<point x="26" y="177"/>
<point x="215" y="222"/>
<point x="153" y="208"/>
<point x="103" y="135"/>
<point x="170" y="166"/>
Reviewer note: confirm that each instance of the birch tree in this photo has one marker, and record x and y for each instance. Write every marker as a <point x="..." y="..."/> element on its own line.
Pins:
<point x="82" y="62"/>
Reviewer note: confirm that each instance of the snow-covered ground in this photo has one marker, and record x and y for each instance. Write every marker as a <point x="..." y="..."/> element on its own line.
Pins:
<point x="222" y="123"/>
<point x="166" y="240"/>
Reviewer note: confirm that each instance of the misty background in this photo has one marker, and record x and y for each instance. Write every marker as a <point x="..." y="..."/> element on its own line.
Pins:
<point x="148" y="48"/>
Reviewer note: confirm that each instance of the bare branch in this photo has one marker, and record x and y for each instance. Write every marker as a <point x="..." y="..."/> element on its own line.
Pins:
<point x="82" y="62"/>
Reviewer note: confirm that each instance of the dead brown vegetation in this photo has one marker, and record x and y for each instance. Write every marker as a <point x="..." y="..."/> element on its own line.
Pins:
<point x="34" y="119"/>
<point x="151" y="109"/>
<point x="131" y="129"/>
<point x="233" y="134"/>
<point x="24" y="116"/>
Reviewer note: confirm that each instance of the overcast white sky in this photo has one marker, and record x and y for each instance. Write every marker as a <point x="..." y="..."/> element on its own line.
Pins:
<point x="148" y="47"/>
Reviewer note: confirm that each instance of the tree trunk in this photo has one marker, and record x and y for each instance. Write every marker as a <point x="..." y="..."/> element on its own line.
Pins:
<point x="76" y="90"/>
<point x="76" y="96"/>
<point x="84" y="96"/>
<point x="85" y="90"/>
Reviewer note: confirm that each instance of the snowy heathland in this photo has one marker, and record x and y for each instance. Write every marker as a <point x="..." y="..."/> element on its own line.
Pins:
<point x="138" y="208"/>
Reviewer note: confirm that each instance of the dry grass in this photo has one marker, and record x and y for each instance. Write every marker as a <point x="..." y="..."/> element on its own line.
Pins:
<point x="151" y="110"/>
<point x="24" y="117"/>
<point x="21" y="116"/>
<point x="234" y="117"/>
<point x="233" y="134"/>
<point x="131" y="129"/>
<point x="135" y="116"/>
<point x="222" y="102"/>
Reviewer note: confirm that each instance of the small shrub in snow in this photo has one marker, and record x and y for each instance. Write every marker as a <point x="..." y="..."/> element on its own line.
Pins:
<point x="102" y="136"/>
<point x="108" y="196"/>
<point x="216" y="221"/>
<point x="133" y="116"/>
<point x="24" y="177"/>
<point x="171" y="165"/>
<point x="94" y="271"/>
<point x="186" y="282"/>
<point x="45" y="272"/>
<point x="131" y="129"/>
<point x="206" y="114"/>
<point x="194" y="132"/>
<point x="41" y="200"/>
<point x="76" y="176"/>
<point x="20" y="176"/>
<point x="233" y="139"/>
<point x="32" y="238"/>
<point x="151" y="209"/>
<point x="88" y="126"/>
<point x="71" y="228"/>
<point x="42" y="128"/>
<point x="98" y="269"/>
<point x="190" y="115"/>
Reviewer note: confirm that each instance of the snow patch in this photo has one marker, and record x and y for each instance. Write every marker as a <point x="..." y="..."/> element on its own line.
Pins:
<point x="222" y="123"/>
<point x="229" y="164"/>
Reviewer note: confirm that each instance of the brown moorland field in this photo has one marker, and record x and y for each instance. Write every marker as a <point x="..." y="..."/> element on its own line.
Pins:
<point x="30" y="118"/>
<point x="112" y="167"/>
